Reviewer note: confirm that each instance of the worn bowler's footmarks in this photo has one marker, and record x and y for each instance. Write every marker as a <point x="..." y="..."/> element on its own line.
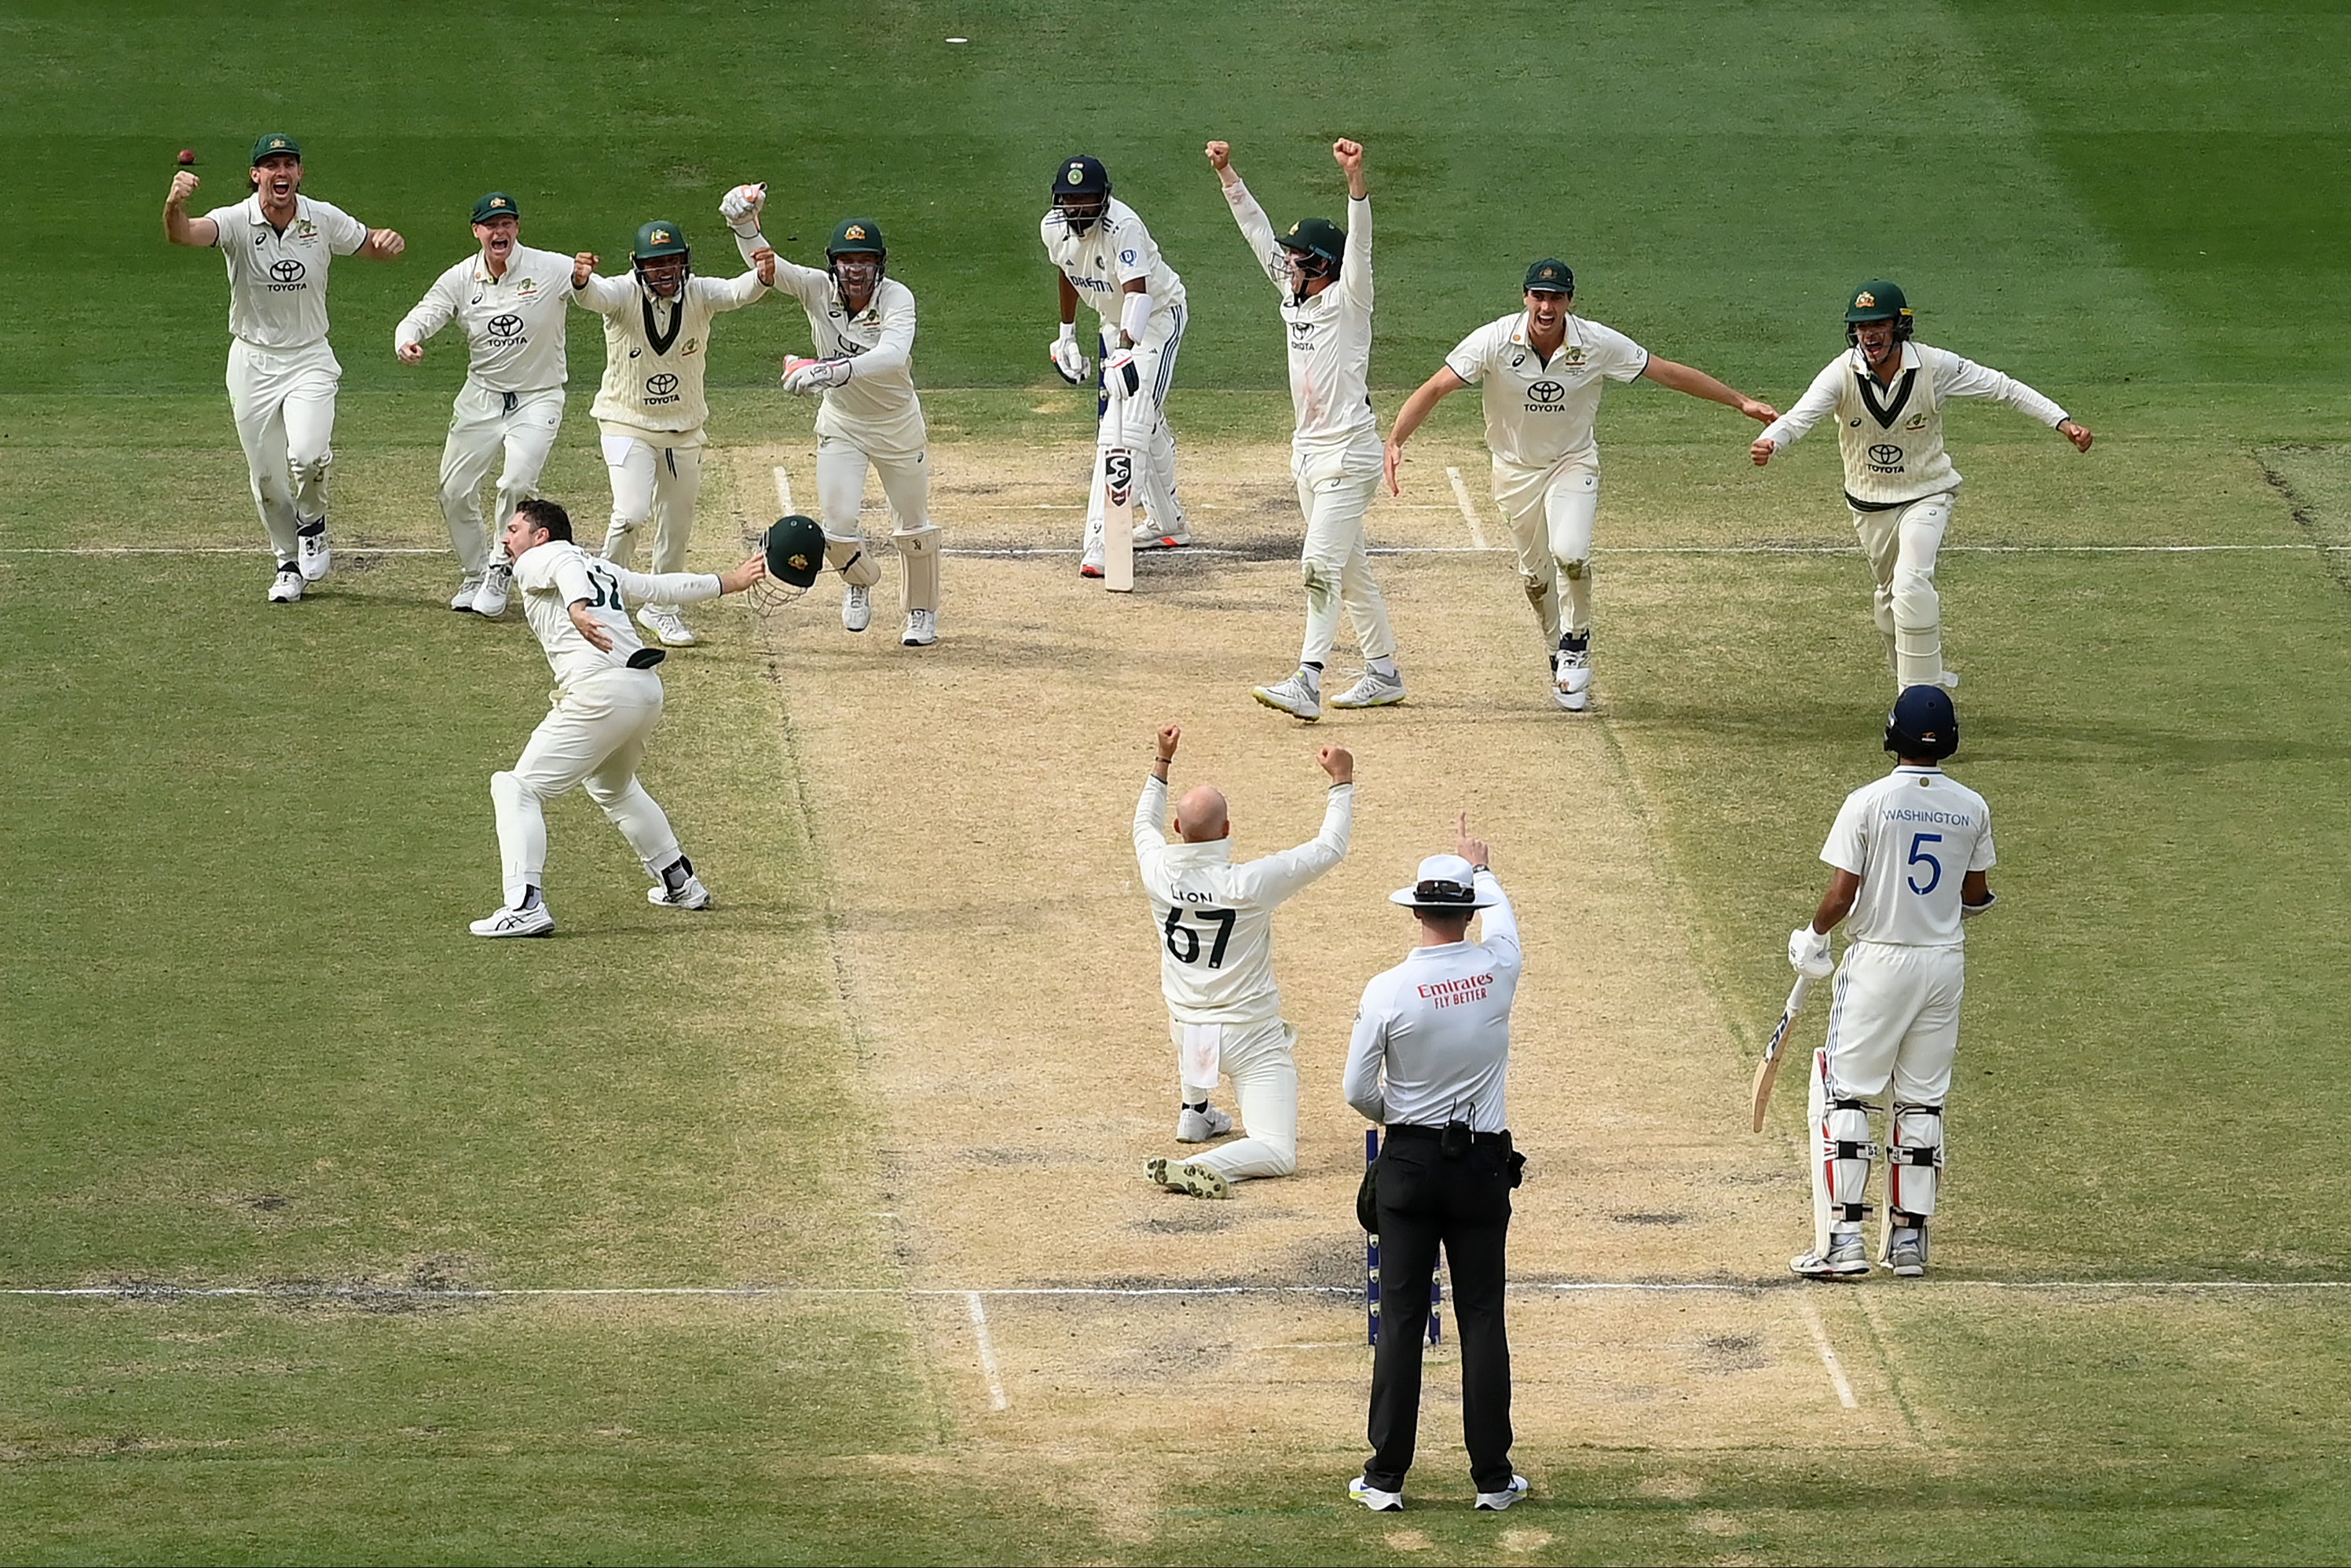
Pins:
<point x="974" y="808"/>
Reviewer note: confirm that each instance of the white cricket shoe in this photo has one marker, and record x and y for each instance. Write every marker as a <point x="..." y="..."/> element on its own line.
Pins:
<point x="315" y="554"/>
<point x="1847" y="1260"/>
<point x="285" y="588"/>
<point x="466" y="591"/>
<point x="1373" y="1498"/>
<point x="856" y="608"/>
<point x="664" y="623"/>
<point x="1188" y="1176"/>
<point x="508" y="922"/>
<point x="1374" y="690"/>
<point x="693" y="895"/>
<point x="1198" y="1126"/>
<point x="1296" y="696"/>
<point x="1906" y="1251"/>
<point x="1147" y="535"/>
<point x="1496" y="1501"/>
<point x="921" y="628"/>
<point x="1571" y="672"/>
<point x="490" y="598"/>
<point x="1089" y="564"/>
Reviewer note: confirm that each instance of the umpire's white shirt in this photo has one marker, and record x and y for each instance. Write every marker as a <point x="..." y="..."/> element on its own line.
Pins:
<point x="1432" y="1035"/>
<point x="554" y="576"/>
<point x="514" y="324"/>
<point x="1911" y="837"/>
<point x="1216" y="918"/>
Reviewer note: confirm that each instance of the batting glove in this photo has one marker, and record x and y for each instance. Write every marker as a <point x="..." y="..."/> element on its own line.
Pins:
<point x="814" y="375"/>
<point x="1808" y="953"/>
<point x="740" y="208"/>
<point x="1120" y="374"/>
<point x="1070" y="361"/>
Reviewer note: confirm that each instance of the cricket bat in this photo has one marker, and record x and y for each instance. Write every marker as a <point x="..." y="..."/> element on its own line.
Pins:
<point x="1118" y="517"/>
<point x="1767" y="1071"/>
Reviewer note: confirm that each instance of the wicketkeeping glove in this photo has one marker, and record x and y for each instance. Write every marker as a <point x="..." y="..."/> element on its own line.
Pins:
<point x="813" y="375"/>
<point x="1808" y="952"/>
<point x="740" y="208"/>
<point x="1070" y="360"/>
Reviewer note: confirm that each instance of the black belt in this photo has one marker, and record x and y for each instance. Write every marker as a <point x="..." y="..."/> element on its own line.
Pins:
<point x="1436" y="1135"/>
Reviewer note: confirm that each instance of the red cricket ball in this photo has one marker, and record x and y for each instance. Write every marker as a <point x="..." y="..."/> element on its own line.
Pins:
<point x="187" y="157"/>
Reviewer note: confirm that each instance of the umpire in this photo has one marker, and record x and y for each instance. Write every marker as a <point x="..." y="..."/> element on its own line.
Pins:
<point x="1431" y="1050"/>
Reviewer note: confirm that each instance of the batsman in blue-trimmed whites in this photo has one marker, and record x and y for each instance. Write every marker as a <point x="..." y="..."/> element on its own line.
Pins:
<point x="1888" y="394"/>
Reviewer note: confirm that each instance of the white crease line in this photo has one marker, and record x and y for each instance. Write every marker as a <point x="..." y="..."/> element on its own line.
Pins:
<point x="1019" y="551"/>
<point x="1828" y="1353"/>
<point x="995" y="1400"/>
<point x="784" y="490"/>
<point x="1525" y="1287"/>
<point x="1468" y="510"/>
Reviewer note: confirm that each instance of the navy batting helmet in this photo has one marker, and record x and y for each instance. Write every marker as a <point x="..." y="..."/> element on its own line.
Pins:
<point x="1080" y="191"/>
<point x="1923" y="724"/>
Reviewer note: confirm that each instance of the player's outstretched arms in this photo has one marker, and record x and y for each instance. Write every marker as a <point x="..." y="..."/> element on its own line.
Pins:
<point x="178" y="227"/>
<point x="1338" y="762"/>
<point x="1349" y="156"/>
<point x="2076" y="432"/>
<point x="583" y="267"/>
<point x="1698" y="384"/>
<point x="383" y="244"/>
<point x="1415" y="412"/>
<point x="1220" y="159"/>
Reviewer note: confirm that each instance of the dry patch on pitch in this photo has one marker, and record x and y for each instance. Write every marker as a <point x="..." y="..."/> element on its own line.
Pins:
<point x="971" y="803"/>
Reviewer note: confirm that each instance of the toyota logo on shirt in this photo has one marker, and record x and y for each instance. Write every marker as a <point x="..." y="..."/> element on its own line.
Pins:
<point x="661" y="388"/>
<point x="506" y="326"/>
<point x="287" y="272"/>
<point x="1885" y="458"/>
<point x="1549" y="393"/>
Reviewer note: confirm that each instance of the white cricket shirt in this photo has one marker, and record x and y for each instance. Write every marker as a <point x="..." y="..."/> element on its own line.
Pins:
<point x="1112" y="252"/>
<point x="1330" y="335"/>
<point x="1215" y="919"/>
<point x="654" y="354"/>
<point x="1539" y="412"/>
<point x="558" y="574"/>
<point x="1911" y="837"/>
<point x="1432" y="1039"/>
<point x="1891" y="436"/>
<point x="277" y="282"/>
<point x="514" y="325"/>
<point x="875" y="410"/>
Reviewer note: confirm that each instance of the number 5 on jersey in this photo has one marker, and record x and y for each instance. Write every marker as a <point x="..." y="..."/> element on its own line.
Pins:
<point x="1184" y="941"/>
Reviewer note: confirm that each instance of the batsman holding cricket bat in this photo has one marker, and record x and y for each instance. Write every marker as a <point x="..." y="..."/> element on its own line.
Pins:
<point x="1909" y="855"/>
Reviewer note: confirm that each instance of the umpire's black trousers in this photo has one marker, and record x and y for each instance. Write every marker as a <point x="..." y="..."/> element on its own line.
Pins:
<point x="1463" y="1200"/>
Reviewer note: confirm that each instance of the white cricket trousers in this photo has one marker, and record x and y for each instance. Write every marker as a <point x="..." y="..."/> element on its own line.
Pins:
<point x="1258" y="1058"/>
<point x="1334" y="492"/>
<point x="481" y="425"/>
<point x="657" y="484"/>
<point x="594" y="737"/>
<point x="1140" y="425"/>
<point x="1894" y="1015"/>
<point x="841" y="466"/>
<point x="1901" y="543"/>
<point x="1550" y="511"/>
<point x="284" y="403"/>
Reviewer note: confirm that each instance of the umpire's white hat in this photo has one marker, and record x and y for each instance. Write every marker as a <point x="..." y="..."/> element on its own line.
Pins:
<point x="1445" y="883"/>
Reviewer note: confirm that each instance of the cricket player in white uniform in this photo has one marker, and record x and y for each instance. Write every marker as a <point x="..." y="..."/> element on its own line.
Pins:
<point x="1543" y="370"/>
<point x="1888" y="394"/>
<point x="510" y="302"/>
<point x="1909" y="855"/>
<point x="607" y="701"/>
<point x="650" y="408"/>
<point x="282" y="374"/>
<point x="1323" y="274"/>
<point x="1215" y="923"/>
<point x="863" y="324"/>
<point x="1107" y="259"/>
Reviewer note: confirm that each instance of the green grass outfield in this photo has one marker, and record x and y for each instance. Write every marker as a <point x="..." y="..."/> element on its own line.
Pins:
<point x="240" y="1041"/>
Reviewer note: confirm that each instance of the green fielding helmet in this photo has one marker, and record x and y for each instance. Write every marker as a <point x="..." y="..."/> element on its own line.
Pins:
<point x="1877" y="300"/>
<point x="795" y="550"/>
<point x="1317" y="236"/>
<point x="857" y="237"/>
<point x="275" y="144"/>
<point x="658" y="238"/>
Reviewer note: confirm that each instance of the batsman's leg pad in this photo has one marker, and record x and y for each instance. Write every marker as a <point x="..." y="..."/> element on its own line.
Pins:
<point x="1842" y="1154"/>
<point x="850" y="558"/>
<point x="1914" y="1161"/>
<point x="918" y="566"/>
